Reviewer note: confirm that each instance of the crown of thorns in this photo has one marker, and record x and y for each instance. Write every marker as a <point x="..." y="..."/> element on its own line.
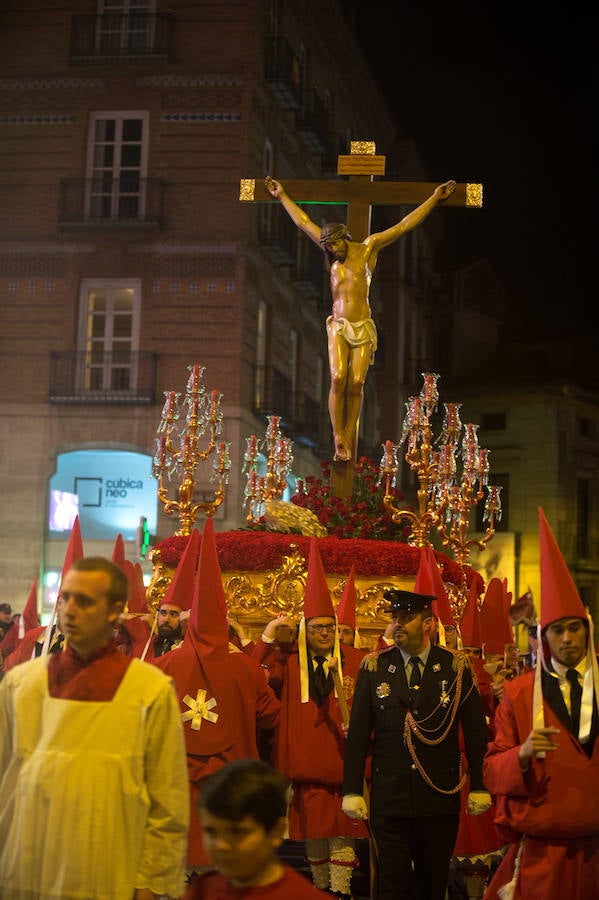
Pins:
<point x="333" y="231"/>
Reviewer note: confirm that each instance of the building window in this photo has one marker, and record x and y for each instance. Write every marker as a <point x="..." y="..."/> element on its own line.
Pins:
<point x="294" y="366"/>
<point x="261" y="335"/>
<point x="124" y="26"/>
<point x="117" y="165"/>
<point x="266" y="210"/>
<point x="109" y="334"/>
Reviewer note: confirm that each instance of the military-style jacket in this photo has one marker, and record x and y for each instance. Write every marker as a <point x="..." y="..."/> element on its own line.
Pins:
<point x="415" y="764"/>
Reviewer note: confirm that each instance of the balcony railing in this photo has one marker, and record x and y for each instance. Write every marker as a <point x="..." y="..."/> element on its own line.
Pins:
<point x="309" y="272"/>
<point x="130" y="37"/>
<point x="273" y="395"/>
<point x="313" y="122"/>
<point x="282" y="71"/>
<point x="302" y="418"/>
<point x="278" y="235"/>
<point x="107" y="202"/>
<point x="94" y="377"/>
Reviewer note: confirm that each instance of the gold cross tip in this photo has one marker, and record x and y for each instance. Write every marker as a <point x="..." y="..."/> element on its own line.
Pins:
<point x="474" y="195"/>
<point x="247" y="189"/>
<point x="362" y="148"/>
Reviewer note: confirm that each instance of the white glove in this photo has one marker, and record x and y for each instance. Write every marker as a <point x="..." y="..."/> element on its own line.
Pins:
<point x="354" y="806"/>
<point x="478" y="802"/>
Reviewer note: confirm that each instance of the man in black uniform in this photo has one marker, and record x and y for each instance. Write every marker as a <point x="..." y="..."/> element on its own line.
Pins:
<point x="410" y="699"/>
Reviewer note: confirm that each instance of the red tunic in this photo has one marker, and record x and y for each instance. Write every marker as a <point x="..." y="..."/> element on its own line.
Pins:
<point x="554" y="804"/>
<point x="244" y="703"/>
<point x="310" y="745"/>
<point x="291" y="886"/>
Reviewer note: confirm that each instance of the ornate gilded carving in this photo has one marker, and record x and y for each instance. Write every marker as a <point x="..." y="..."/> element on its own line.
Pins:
<point x="474" y="195"/>
<point x="247" y="188"/>
<point x="362" y="148"/>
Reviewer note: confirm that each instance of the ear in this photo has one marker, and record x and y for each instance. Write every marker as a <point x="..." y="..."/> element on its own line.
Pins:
<point x="278" y="832"/>
<point x="115" y="610"/>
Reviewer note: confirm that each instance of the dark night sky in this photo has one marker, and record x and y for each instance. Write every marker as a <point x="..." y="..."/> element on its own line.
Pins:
<point x="502" y="93"/>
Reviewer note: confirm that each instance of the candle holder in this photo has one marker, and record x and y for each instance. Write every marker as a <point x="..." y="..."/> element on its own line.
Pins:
<point x="445" y="500"/>
<point x="279" y="460"/>
<point x="178" y="451"/>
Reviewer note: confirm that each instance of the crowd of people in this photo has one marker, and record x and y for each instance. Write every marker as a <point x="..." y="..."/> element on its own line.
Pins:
<point x="163" y="753"/>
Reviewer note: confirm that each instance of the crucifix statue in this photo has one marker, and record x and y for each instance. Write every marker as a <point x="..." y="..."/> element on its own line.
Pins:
<point x="351" y="254"/>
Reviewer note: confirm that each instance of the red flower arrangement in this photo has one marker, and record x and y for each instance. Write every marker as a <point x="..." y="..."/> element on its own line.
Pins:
<point x="363" y="515"/>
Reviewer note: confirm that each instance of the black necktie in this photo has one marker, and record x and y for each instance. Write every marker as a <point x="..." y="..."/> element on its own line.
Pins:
<point x="415" y="676"/>
<point x="321" y="688"/>
<point x="575" y="698"/>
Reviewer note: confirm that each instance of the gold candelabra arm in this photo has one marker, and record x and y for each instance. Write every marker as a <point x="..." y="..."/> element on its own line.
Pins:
<point x="178" y="450"/>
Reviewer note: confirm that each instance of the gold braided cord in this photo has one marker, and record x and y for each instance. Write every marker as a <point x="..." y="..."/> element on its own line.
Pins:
<point x="411" y="726"/>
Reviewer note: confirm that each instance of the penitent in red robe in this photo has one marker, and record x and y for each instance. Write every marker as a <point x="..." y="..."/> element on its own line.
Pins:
<point x="309" y="749"/>
<point x="554" y="804"/>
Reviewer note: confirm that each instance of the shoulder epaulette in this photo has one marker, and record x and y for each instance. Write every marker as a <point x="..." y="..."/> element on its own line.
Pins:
<point x="370" y="661"/>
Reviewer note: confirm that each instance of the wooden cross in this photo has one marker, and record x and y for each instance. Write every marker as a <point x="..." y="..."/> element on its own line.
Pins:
<point x="359" y="193"/>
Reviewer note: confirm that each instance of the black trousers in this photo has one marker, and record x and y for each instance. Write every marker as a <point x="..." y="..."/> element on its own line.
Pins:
<point x="413" y="856"/>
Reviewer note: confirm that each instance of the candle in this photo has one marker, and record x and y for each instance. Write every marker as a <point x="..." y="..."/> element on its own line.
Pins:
<point x="162" y="451"/>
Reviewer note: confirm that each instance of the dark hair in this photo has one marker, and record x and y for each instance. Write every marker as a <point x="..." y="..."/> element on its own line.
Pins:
<point x="246" y="787"/>
<point x="118" y="587"/>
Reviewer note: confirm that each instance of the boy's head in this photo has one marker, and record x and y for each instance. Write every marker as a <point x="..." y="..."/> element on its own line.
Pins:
<point x="242" y="809"/>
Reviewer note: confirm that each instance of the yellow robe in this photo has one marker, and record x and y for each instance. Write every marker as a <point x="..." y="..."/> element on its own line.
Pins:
<point x="94" y="797"/>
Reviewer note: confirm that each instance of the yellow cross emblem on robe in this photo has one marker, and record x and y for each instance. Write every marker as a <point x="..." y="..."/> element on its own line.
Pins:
<point x="199" y="709"/>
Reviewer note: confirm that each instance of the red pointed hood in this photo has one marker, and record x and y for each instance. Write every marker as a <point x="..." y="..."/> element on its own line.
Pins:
<point x="136" y="597"/>
<point x="492" y="618"/>
<point x="424" y="583"/>
<point x="74" y="549"/>
<point x="559" y="597"/>
<point x="30" y="615"/>
<point x="346" y="611"/>
<point x="208" y="626"/>
<point x="470" y="627"/>
<point x="317" y="598"/>
<point x="444" y="613"/>
<point x="181" y="588"/>
<point x="118" y="552"/>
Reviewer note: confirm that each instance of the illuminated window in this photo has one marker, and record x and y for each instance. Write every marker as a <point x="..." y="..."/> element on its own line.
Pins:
<point x="109" y="335"/>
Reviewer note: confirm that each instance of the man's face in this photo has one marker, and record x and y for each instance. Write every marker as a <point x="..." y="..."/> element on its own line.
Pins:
<point x="567" y="640"/>
<point x="85" y="616"/>
<point x="169" y="620"/>
<point x="411" y="631"/>
<point x="321" y="634"/>
<point x="5" y="616"/>
<point x="346" y="635"/>
<point x="338" y="249"/>
<point x="451" y="637"/>
<point x="240" y="850"/>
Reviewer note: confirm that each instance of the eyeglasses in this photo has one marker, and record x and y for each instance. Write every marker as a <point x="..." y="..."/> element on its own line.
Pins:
<point x="322" y="629"/>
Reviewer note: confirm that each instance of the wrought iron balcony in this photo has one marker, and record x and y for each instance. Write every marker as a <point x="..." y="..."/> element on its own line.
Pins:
<point x="94" y="377"/>
<point x="107" y="202"/>
<point x="302" y="418"/>
<point x="313" y="429"/>
<point x="313" y="121"/>
<point x="282" y="71"/>
<point x="273" y="395"/>
<point x="130" y="37"/>
<point x="278" y="235"/>
<point x="309" y="271"/>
